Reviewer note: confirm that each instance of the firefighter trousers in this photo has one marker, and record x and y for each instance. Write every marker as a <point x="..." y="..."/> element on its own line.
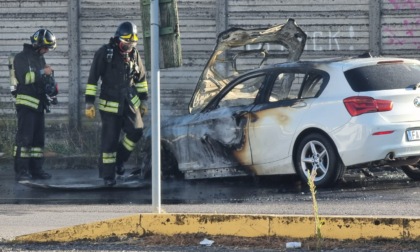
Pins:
<point x="119" y="136"/>
<point x="29" y="142"/>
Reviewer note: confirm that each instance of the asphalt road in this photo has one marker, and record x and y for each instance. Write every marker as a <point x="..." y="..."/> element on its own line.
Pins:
<point x="25" y="210"/>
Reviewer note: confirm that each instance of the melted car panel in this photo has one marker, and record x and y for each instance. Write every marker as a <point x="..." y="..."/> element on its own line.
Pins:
<point x="214" y="139"/>
<point x="239" y="50"/>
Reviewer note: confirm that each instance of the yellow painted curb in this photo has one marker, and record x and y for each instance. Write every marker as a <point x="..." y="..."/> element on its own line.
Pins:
<point x="242" y="225"/>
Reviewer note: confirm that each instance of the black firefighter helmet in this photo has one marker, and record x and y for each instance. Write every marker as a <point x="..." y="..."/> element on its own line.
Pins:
<point x="43" y="38"/>
<point x="126" y="36"/>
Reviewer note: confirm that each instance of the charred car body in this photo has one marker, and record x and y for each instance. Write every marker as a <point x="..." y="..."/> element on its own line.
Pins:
<point x="292" y="116"/>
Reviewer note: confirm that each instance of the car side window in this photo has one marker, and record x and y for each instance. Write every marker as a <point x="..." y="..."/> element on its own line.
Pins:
<point x="291" y="85"/>
<point x="243" y="93"/>
<point x="286" y="86"/>
<point x="311" y="85"/>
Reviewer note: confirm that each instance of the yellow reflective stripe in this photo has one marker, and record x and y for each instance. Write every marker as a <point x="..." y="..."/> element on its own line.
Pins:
<point x="141" y="90"/>
<point x="27" y="100"/>
<point x="91" y="89"/>
<point x="29" y="152"/>
<point x="142" y="87"/>
<point x="128" y="144"/>
<point x="26" y="104"/>
<point x="24" y="152"/>
<point x="108" y="103"/>
<point x="108" y="106"/>
<point x="109" y="158"/>
<point x="29" y="77"/>
<point x="107" y="109"/>
<point x="135" y="101"/>
<point x="37" y="152"/>
<point x="141" y="84"/>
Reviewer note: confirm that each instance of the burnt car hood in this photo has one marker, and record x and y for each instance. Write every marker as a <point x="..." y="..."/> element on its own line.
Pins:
<point x="255" y="48"/>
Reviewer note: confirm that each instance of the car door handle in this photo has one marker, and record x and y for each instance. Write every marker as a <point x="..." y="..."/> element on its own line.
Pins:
<point x="238" y="115"/>
<point x="299" y="104"/>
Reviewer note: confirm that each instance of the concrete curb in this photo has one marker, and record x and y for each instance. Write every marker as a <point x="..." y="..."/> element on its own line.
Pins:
<point x="242" y="225"/>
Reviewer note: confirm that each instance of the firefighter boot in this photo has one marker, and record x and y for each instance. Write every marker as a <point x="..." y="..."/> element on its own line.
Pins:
<point x="41" y="175"/>
<point x="36" y="169"/>
<point x="23" y="176"/>
<point x="110" y="182"/>
<point x="120" y="169"/>
<point x="21" y="169"/>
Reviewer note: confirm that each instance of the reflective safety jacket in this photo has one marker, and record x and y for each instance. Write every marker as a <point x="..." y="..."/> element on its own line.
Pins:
<point x="122" y="80"/>
<point x="29" y="66"/>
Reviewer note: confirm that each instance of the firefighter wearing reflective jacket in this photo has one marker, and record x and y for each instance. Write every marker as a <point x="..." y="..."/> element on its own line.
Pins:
<point x="122" y="99"/>
<point x="31" y="70"/>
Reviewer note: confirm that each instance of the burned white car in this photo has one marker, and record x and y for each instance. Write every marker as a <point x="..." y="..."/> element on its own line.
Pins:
<point x="249" y="116"/>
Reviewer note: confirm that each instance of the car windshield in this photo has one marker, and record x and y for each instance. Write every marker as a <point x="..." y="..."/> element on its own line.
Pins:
<point x="239" y="50"/>
<point x="383" y="77"/>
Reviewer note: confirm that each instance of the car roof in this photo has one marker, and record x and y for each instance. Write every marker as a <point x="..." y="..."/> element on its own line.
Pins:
<point x="346" y="63"/>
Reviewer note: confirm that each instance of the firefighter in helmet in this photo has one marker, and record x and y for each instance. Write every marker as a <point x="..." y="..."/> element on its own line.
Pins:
<point x="122" y="99"/>
<point x="32" y="100"/>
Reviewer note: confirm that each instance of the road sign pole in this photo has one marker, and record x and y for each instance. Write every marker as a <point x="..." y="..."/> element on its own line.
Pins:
<point x="154" y="43"/>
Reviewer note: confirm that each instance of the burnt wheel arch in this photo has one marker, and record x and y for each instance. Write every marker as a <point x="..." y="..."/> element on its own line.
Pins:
<point x="168" y="164"/>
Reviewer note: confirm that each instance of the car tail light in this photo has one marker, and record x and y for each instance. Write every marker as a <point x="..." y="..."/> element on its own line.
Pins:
<point x="358" y="105"/>
<point x="381" y="133"/>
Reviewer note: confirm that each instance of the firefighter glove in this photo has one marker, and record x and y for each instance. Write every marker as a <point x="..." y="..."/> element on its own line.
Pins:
<point x="90" y="111"/>
<point x="143" y="109"/>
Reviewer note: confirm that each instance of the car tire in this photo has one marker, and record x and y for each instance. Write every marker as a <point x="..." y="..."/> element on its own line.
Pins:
<point x="412" y="171"/>
<point x="168" y="166"/>
<point x="317" y="150"/>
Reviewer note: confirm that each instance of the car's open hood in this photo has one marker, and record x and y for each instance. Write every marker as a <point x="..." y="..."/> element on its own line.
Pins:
<point x="239" y="50"/>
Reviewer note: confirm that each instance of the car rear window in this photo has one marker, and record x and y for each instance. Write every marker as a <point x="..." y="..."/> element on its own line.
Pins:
<point x="383" y="76"/>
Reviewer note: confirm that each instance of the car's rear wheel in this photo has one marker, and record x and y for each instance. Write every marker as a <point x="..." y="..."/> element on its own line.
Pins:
<point x="169" y="166"/>
<point x="412" y="171"/>
<point x="315" y="151"/>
